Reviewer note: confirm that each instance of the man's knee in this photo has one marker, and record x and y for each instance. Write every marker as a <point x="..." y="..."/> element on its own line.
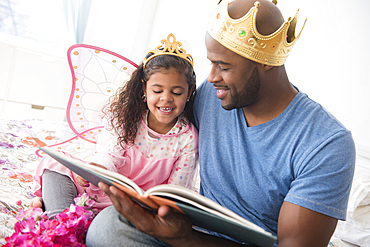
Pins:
<point x="103" y="228"/>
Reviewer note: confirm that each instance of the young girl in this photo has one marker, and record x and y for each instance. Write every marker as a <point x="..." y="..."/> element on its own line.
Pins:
<point x="149" y="137"/>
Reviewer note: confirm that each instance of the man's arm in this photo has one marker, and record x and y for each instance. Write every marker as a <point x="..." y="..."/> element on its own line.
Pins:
<point x="166" y="225"/>
<point x="298" y="226"/>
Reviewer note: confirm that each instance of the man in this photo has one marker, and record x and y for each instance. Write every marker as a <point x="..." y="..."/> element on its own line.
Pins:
<point x="268" y="152"/>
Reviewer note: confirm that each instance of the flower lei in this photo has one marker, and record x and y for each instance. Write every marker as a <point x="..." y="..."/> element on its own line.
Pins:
<point x="34" y="228"/>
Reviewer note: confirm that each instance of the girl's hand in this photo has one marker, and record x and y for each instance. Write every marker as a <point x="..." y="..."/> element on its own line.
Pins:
<point x="36" y="202"/>
<point x="83" y="182"/>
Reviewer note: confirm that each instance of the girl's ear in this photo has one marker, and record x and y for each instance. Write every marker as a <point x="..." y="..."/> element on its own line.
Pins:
<point x="144" y="86"/>
<point x="191" y="91"/>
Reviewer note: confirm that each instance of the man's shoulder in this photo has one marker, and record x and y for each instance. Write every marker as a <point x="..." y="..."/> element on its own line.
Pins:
<point x="309" y="112"/>
<point x="313" y="126"/>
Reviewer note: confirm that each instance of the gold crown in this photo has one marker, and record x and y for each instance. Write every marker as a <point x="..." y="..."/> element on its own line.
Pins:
<point x="241" y="35"/>
<point x="170" y="48"/>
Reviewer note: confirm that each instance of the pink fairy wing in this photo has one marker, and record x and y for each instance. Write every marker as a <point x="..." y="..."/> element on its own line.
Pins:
<point x="96" y="74"/>
<point x="77" y="146"/>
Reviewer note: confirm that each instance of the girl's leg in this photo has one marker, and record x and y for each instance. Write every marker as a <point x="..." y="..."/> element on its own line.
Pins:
<point x="58" y="192"/>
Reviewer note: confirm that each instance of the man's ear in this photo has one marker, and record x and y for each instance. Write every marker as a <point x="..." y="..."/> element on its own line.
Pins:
<point x="266" y="67"/>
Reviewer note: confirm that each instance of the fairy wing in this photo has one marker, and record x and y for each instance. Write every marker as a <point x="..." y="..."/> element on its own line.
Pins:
<point x="96" y="75"/>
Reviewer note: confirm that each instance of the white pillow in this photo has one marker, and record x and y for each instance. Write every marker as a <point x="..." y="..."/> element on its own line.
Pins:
<point x="356" y="229"/>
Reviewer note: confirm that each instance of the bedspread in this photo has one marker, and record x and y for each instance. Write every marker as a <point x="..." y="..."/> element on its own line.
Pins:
<point x="18" y="159"/>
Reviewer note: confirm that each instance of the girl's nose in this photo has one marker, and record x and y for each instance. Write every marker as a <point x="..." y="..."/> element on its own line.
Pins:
<point x="166" y="97"/>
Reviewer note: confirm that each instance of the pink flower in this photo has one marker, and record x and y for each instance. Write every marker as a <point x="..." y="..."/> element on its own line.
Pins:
<point x="35" y="213"/>
<point x="34" y="228"/>
<point x="85" y="200"/>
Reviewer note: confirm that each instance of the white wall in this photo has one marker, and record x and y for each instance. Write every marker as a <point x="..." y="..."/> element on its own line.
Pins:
<point x="330" y="61"/>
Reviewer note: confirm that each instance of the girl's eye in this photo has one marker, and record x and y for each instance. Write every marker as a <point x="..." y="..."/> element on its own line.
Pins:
<point x="160" y="91"/>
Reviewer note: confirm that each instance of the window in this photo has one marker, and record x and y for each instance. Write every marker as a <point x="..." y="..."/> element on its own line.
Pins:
<point x="38" y="25"/>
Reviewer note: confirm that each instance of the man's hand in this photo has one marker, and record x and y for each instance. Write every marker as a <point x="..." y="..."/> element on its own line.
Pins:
<point x="165" y="225"/>
<point x="173" y="228"/>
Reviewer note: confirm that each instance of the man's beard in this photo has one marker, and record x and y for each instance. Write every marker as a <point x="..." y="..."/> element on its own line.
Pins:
<point x="248" y="95"/>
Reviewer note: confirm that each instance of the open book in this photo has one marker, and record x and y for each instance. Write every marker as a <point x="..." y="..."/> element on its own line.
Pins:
<point x="202" y="211"/>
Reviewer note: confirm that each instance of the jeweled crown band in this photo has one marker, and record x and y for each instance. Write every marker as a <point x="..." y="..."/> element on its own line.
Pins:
<point x="241" y="36"/>
<point x="169" y="47"/>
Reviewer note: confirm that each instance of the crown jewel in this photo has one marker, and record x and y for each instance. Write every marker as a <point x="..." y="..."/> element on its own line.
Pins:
<point x="241" y="35"/>
<point x="169" y="47"/>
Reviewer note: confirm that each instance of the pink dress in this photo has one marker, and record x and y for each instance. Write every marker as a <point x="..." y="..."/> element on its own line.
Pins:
<point x="154" y="159"/>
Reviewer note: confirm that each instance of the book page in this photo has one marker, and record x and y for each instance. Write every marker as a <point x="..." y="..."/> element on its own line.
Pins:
<point x="238" y="220"/>
<point x="143" y="201"/>
<point x="192" y="198"/>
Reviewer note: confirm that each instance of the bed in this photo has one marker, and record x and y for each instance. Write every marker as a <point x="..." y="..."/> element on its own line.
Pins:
<point x="18" y="158"/>
<point x="355" y="231"/>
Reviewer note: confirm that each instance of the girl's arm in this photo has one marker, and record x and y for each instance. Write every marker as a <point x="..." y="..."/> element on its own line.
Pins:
<point x="184" y="171"/>
<point x="107" y="152"/>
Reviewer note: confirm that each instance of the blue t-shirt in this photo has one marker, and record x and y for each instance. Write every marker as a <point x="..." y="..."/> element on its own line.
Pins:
<point x="303" y="156"/>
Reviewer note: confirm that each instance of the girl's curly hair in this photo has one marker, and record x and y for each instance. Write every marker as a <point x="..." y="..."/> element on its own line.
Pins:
<point x="126" y="106"/>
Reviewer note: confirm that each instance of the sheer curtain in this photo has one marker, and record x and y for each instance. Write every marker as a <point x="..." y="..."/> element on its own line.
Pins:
<point x="76" y="14"/>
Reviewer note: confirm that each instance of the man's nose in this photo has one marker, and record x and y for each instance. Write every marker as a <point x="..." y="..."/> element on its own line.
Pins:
<point x="213" y="76"/>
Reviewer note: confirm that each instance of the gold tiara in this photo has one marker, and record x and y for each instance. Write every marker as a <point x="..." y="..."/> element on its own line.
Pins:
<point x="170" y="48"/>
<point x="241" y="35"/>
